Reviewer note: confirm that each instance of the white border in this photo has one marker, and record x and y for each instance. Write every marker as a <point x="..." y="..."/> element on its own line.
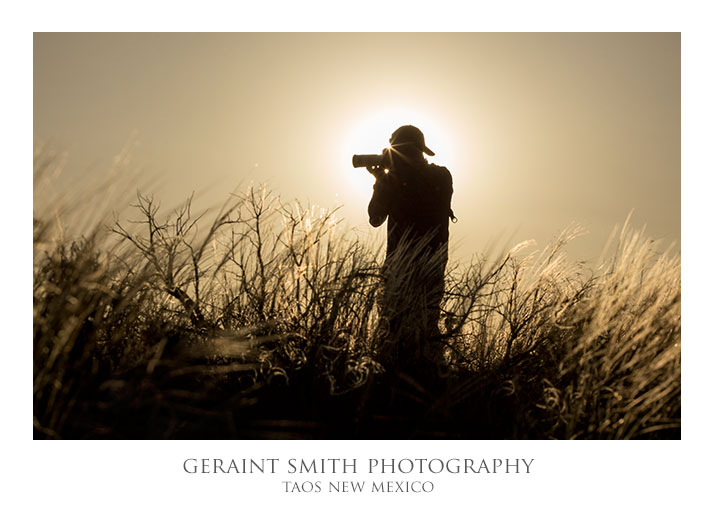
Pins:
<point x="144" y="473"/>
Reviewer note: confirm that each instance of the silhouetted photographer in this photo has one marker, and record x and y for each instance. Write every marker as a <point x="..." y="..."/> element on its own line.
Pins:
<point x="414" y="197"/>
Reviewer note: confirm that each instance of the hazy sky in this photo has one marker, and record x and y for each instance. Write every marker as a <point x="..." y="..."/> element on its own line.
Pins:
<point x="539" y="130"/>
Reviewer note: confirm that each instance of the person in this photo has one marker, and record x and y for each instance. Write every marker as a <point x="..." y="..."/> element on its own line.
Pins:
<point x="414" y="197"/>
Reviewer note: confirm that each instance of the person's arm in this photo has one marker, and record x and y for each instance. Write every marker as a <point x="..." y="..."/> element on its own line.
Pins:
<point x="381" y="202"/>
<point x="446" y="190"/>
<point x="450" y="189"/>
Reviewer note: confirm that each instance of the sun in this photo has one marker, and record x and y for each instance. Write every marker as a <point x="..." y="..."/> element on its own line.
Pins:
<point x="371" y="133"/>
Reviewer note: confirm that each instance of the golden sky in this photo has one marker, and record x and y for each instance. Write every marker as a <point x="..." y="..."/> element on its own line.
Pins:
<point x="538" y="130"/>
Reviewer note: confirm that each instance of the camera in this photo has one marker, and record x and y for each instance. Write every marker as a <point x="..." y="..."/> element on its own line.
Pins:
<point x="376" y="164"/>
<point x="367" y="161"/>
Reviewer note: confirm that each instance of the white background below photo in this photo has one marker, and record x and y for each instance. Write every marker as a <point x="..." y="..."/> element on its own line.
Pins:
<point x="136" y="473"/>
<point x="559" y="473"/>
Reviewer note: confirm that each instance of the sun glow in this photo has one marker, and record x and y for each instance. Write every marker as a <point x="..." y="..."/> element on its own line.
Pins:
<point x="372" y="133"/>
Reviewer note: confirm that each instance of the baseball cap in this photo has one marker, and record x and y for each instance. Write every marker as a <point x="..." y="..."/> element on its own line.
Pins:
<point x="410" y="134"/>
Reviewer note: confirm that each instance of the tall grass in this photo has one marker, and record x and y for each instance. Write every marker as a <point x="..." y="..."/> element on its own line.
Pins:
<point x="263" y="320"/>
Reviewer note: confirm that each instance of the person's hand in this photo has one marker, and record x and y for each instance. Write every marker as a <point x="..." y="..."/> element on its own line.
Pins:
<point x="377" y="171"/>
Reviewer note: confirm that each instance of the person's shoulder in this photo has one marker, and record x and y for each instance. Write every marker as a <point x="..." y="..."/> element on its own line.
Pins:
<point x="437" y="168"/>
<point x="441" y="171"/>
